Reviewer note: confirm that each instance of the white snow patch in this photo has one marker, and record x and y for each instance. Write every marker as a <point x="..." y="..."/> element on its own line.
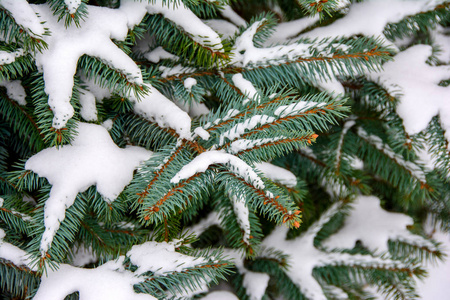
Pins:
<point x="9" y="57"/>
<point x="25" y="16"/>
<point x="109" y="281"/>
<point x="92" y="159"/>
<point x="374" y="227"/>
<point x="67" y="45"/>
<point x="202" y="162"/>
<point x="277" y="174"/>
<point x="185" y="18"/>
<point x="157" y="54"/>
<point x="421" y="97"/>
<point x="15" y="90"/>
<point x="160" y="258"/>
<point x="240" y="128"/>
<point x="72" y="5"/>
<point x="242" y="215"/>
<point x="88" y="110"/>
<point x="202" y="133"/>
<point x="295" y="108"/>
<point x="246" y="87"/>
<point x="220" y="295"/>
<point x="255" y="284"/>
<point x="155" y="107"/>
<point x="361" y="19"/>
<point x="189" y="83"/>
<point x="13" y="253"/>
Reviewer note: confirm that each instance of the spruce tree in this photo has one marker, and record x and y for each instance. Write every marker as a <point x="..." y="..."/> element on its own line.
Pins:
<point x="283" y="149"/>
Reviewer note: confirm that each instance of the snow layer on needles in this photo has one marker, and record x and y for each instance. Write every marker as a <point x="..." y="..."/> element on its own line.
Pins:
<point x="421" y="98"/>
<point x="304" y="257"/>
<point x="155" y="107"/>
<point x="374" y="227"/>
<point x="361" y="18"/>
<point x="160" y="258"/>
<point x="13" y="253"/>
<point x="92" y="159"/>
<point x="67" y="45"/>
<point x="72" y="5"/>
<point x="109" y="281"/>
<point x="277" y="174"/>
<point x="25" y="16"/>
<point x="15" y="90"/>
<point x="240" y="128"/>
<point x="205" y="159"/>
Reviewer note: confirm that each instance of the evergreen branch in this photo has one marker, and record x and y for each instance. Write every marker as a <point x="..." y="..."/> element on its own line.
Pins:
<point x="248" y="110"/>
<point x="296" y="121"/>
<point x="44" y="115"/>
<point x="21" y="66"/>
<point x="175" y="199"/>
<point x="12" y="33"/>
<point x="363" y="56"/>
<point x="108" y="77"/>
<point x="20" y="281"/>
<point x="187" y="280"/>
<point x="180" y="43"/>
<point x="421" y="22"/>
<point x="21" y="121"/>
<point x="142" y="195"/>
<point x="388" y="155"/>
<point x="279" y="208"/>
<point x="15" y="219"/>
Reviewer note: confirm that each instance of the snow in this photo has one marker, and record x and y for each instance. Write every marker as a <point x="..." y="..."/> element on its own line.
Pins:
<point x="161" y="258"/>
<point x="228" y="13"/>
<point x="304" y="257"/>
<point x="189" y="83"/>
<point x="295" y="108"/>
<point x="246" y="87"/>
<point x="183" y="17"/>
<point x="224" y="28"/>
<point x="212" y="219"/>
<point x="202" y="162"/>
<point x="277" y="174"/>
<point x="72" y="5"/>
<point x="25" y="16"/>
<point x="155" y="107"/>
<point x="109" y="281"/>
<point x="15" y="90"/>
<point x="67" y="45"/>
<point x="92" y="159"/>
<point x="9" y="57"/>
<point x="220" y="295"/>
<point x="374" y="227"/>
<point x="420" y="96"/>
<point x="240" y="128"/>
<point x="347" y="125"/>
<point x="244" y="144"/>
<point x="242" y="215"/>
<point x="83" y="256"/>
<point x="362" y="20"/>
<point x="13" y="253"/>
<point x="88" y="110"/>
<point x="244" y="51"/>
<point x="255" y="284"/>
<point x="437" y="284"/>
<point x="157" y="54"/>
<point x="202" y="133"/>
